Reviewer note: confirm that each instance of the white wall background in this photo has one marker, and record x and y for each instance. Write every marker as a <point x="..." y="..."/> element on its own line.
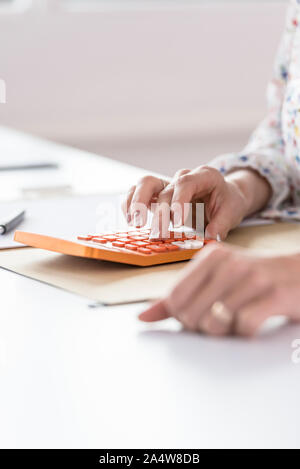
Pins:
<point x="160" y="87"/>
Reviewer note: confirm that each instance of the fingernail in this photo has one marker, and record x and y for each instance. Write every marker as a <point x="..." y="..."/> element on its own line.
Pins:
<point x="208" y="234"/>
<point x="176" y="216"/>
<point x="211" y="237"/>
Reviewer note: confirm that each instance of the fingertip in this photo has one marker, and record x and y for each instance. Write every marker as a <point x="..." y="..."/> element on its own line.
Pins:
<point x="155" y="312"/>
<point x="144" y="317"/>
<point x="215" y="232"/>
<point x="209" y="233"/>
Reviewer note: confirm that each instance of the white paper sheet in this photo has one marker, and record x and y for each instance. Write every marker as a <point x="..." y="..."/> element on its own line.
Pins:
<point x="65" y="217"/>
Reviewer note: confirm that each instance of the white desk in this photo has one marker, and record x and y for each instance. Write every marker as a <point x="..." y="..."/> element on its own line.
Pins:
<point x="72" y="376"/>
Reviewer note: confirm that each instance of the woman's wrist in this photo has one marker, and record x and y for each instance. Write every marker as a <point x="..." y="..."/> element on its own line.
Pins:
<point x="255" y="189"/>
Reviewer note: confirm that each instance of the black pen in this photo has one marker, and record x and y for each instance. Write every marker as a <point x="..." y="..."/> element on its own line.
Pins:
<point x="11" y="222"/>
<point x="22" y="167"/>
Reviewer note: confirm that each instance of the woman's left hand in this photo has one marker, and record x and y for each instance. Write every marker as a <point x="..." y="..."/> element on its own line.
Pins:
<point x="226" y="290"/>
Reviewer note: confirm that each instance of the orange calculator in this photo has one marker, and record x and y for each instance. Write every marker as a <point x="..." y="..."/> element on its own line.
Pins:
<point x="127" y="247"/>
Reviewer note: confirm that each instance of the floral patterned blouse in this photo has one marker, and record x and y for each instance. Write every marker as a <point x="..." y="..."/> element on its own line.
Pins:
<point x="274" y="148"/>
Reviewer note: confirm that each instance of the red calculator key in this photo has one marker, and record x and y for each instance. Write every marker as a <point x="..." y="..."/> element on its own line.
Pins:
<point x="85" y="238"/>
<point x="140" y="244"/>
<point x="122" y="233"/>
<point x="131" y="247"/>
<point x="158" y="249"/>
<point x="110" y="237"/>
<point x="99" y="240"/>
<point x="122" y="240"/>
<point x="156" y="240"/>
<point x="137" y="238"/>
<point x="172" y="247"/>
<point x="117" y="244"/>
<point x="145" y="250"/>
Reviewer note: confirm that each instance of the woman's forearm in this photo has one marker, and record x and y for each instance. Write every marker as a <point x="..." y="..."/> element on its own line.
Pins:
<point x="255" y="189"/>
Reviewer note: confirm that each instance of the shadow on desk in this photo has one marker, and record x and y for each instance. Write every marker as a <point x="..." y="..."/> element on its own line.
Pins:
<point x="230" y="356"/>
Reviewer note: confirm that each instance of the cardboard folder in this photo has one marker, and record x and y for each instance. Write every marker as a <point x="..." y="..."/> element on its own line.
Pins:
<point x="111" y="283"/>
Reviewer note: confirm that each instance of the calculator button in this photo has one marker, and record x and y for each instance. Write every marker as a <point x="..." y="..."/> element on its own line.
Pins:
<point x="145" y="250"/>
<point x="193" y="244"/>
<point x="197" y="244"/>
<point x="133" y="233"/>
<point x="131" y="247"/>
<point x="140" y="244"/>
<point x="182" y="244"/>
<point x="158" y="249"/>
<point x="122" y="240"/>
<point x="117" y="244"/>
<point x="188" y="245"/>
<point x="171" y="247"/>
<point x="138" y="238"/>
<point x="85" y="238"/>
<point x="99" y="240"/>
<point x="110" y="237"/>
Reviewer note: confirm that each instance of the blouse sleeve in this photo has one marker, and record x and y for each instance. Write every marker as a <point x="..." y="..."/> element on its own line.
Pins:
<point x="265" y="151"/>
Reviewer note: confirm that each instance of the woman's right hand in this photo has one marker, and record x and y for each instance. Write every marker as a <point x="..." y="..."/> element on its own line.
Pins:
<point x="226" y="200"/>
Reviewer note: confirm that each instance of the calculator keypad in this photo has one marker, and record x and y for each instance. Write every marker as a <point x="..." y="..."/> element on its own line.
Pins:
<point x="140" y="241"/>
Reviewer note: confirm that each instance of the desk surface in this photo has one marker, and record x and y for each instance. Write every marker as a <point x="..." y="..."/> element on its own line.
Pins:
<point x="74" y="376"/>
